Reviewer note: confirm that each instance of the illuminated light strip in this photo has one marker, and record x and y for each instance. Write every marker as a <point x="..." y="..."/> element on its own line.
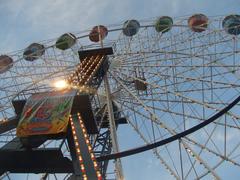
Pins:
<point x="90" y="67"/>
<point x="95" y="69"/>
<point x="95" y="164"/>
<point x="94" y="62"/>
<point x="3" y="121"/>
<point x="90" y="62"/>
<point x="93" y="72"/>
<point x="78" y="79"/>
<point x="80" y="159"/>
<point x="85" y="63"/>
<point x="81" y="68"/>
<point x="83" y="75"/>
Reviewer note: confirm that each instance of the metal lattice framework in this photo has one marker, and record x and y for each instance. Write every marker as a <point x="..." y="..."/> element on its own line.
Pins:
<point x="163" y="83"/>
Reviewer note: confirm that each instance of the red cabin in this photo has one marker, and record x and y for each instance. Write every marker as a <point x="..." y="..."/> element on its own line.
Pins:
<point x="98" y="32"/>
<point x="198" y="22"/>
<point x="5" y="63"/>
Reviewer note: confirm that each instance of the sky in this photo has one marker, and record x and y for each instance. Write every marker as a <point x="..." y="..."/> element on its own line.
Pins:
<point x="27" y="21"/>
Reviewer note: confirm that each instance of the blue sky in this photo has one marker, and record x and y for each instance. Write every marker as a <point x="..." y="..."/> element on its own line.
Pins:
<point x="27" y="21"/>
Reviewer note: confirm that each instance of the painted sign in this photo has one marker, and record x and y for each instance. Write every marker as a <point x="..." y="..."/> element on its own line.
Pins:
<point x="46" y="113"/>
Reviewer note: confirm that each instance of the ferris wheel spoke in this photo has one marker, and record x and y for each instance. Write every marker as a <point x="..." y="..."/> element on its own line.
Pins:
<point x="203" y="129"/>
<point x="164" y="89"/>
<point x="153" y="57"/>
<point x="163" y="125"/>
<point x="219" y="163"/>
<point x="42" y="78"/>
<point x="185" y="44"/>
<point x="219" y="155"/>
<point x="182" y="64"/>
<point x="137" y="112"/>
<point x="209" y="62"/>
<point x="167" y="110"/>
<point x="201" y="161"/>
<point x="163" y="135"/>
<point x="186" y="80"/>
<point x="208" y="103"/>
<point x="180" y="37"/>
<point x="193" y="69"/>
<point x="203" y="147"/>
<point x="192" y="165"/>
<point x="37" y="74"/>
<point x="162" y="110"/>
<point x="140" y="115"/>
<point x="164" y="82"/>
<point x="156" y="152"/>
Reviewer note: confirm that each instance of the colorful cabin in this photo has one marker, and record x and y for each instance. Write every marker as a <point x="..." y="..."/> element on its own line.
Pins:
<point x="98" y="33"/>
<point x="163" y="24"/>
<point x="131" y="27"/>
<point x="66" y="41"/>
<point x="231" y="24"/>
<point x="33" y="52"/>
<point x="139" y="85"/>
<point x="198" y="22"/>
<point x="5" y="63"/>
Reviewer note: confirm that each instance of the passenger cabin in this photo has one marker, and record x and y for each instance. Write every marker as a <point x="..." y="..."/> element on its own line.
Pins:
<point x="140" y="85"/>
<point x="231" y="24"/>
<point x="131" y="27"/>
<point x="163" y="24"/>
<point x="33" y="52"/>
<point x="140" y="80"/>
<point x="198" y="23"/>
<point x="98" y="33"/>
<point x="6" y="63"/>
<point x="66" y="41"/>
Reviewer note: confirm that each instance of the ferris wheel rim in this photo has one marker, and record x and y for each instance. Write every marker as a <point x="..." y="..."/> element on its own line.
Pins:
<point x="183" y="76"/>
<point x="172" y="138"/>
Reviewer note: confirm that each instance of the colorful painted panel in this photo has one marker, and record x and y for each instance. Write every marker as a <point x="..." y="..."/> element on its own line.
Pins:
<point x="46" y="113"/>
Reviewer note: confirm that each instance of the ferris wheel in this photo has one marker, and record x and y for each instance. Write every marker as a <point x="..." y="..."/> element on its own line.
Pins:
<point x="173" y="82"/>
